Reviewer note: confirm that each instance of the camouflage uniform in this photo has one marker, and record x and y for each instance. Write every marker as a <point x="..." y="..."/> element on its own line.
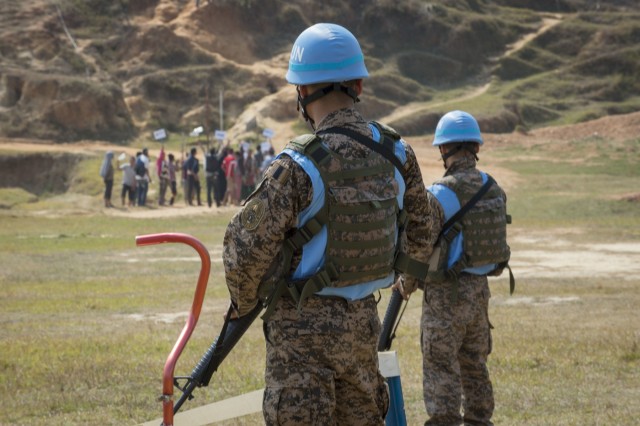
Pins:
<point x="322" y="364"/>
<point x="456" y="337"/>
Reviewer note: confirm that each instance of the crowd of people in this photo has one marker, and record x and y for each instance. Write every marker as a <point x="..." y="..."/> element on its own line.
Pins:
<point x="230" y="175"/>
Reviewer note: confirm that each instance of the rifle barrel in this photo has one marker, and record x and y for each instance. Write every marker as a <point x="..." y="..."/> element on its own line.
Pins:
<point x="387" y="334"/>
<point x="231" y="333"/>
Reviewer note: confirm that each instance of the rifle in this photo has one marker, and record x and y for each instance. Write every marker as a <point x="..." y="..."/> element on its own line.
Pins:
<point x="391" y="321"/>
<point x="232" y="331"/>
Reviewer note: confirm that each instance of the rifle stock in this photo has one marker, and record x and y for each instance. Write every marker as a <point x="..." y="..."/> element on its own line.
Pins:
<point x="390" y="322"/>
<point x="232" y="331"/>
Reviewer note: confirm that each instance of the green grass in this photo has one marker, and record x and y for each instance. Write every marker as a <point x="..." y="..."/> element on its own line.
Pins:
<point x="73" y="350"/>
<point x="568" y="363"/>
<point x="576" y="183"/>
<point x="87" y="316"/>
<point x="13" y="196"/>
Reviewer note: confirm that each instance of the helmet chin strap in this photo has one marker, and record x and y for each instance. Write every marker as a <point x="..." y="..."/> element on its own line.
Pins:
<point x="302" y="108"/>
<point x="303" y="102"/>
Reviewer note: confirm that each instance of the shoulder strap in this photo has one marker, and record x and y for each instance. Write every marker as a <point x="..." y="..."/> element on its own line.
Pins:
<point x="371" y="144"/>
<point x="460" y="213"/>
<point x="310" y="145"/>
<point x="301" y="142"/>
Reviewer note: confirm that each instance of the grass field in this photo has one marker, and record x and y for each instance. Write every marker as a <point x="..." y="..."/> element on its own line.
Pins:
<point x="88" y="318"/>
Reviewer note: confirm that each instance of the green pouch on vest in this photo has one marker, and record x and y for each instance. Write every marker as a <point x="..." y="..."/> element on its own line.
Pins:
<point x="438" y="271"/>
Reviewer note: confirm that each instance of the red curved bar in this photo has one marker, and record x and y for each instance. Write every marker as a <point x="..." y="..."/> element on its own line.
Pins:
<point x="196" y="307"/>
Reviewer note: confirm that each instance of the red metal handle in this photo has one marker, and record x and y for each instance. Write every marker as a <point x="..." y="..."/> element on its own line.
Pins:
<point x="196" y="307"/>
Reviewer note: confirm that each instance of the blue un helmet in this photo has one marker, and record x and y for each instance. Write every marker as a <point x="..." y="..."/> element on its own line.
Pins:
<point x="457" y="126"/>
<point x="325" y="53"/>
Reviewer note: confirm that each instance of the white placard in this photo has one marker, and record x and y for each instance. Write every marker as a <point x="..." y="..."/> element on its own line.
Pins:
<point x="268" y="133"/>
<point x="265" y="147"/>
<point x="197" y="131"/>
<point x="159" y="134"/>
<point x="220" y="135"/>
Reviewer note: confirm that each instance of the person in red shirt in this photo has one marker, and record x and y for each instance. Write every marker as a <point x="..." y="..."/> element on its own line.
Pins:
<point x="229" y="165"/>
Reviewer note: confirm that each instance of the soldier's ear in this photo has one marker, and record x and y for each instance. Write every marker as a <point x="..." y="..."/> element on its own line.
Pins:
<point x="303" y="89"/>
<point x="358" y="86"/>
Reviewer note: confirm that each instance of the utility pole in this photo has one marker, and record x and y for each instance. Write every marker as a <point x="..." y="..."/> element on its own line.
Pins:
<point x="205" y="123"/>
<point x="221" y="111"/>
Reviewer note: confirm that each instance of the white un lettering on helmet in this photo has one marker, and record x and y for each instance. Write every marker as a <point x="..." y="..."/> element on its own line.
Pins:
<point x="296" y="53"/>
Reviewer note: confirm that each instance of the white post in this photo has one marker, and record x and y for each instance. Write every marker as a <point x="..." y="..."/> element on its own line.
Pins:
<point x="390" y="369"/>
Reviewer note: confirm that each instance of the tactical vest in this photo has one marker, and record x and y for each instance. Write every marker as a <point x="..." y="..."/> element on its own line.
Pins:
<point x="475" y="244"/>
<point x="348" y="236"/>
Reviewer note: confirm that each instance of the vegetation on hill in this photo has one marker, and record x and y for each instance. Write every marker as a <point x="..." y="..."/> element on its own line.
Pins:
<point x="79" y="69"/>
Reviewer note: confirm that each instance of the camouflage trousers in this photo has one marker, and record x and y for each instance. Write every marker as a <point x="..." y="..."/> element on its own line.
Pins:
<point x="456" y="341"/>
<point x="322" y="364"/>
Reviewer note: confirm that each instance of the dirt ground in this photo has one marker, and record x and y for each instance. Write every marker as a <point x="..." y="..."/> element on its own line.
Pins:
<point x="565" y="259"/>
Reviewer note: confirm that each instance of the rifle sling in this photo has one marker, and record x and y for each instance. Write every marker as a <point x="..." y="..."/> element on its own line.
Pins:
<point x="460" y="213"/>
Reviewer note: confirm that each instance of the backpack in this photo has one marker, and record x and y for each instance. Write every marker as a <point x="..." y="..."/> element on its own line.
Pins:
<point x="139" y="168"/>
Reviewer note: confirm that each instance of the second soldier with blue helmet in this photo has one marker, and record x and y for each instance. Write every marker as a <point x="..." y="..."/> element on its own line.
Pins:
<point x="455" y="328"/>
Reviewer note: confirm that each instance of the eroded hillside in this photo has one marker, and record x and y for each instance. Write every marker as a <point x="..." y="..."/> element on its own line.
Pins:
<point x="77" y="69"/>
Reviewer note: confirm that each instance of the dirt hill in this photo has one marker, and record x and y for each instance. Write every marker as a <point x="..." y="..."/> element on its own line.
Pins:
<point x="73" y="70"/>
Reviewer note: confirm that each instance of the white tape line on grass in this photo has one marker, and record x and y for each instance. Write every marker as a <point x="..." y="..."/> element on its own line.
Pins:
<point x="250" y="403"/>
<point x="231" y="408"/>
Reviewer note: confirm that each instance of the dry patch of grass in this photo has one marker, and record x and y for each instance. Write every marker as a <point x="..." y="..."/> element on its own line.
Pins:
<point x="88" y="320"/>
<point x="566" y="352"/>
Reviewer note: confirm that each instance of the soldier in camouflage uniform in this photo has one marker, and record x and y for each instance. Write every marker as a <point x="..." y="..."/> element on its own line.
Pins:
<point x="319" y="282"/>
<point x="456" y="336"/>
